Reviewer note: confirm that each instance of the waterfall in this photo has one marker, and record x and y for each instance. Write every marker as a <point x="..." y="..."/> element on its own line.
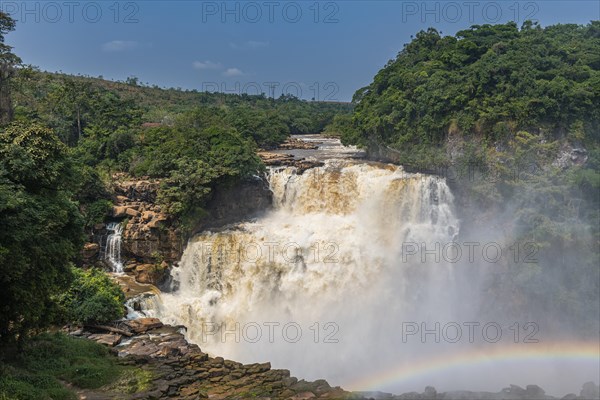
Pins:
<point x="353" y="276"/>
<point x="327" y="284"/>
<point x="327" y="260"/>
<point x="112" y="251"/>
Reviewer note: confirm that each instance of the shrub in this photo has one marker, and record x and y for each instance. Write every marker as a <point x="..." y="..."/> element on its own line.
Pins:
<point x="93" y="298"/>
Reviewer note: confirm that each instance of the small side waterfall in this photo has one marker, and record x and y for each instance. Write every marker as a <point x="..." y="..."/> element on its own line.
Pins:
<point x="112" y="251"/>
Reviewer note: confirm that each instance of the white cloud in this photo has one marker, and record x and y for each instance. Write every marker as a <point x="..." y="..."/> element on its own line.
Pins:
<point x="119" y="45"/>
<point x="233" y="72"/>
<point x="206" y="65"/>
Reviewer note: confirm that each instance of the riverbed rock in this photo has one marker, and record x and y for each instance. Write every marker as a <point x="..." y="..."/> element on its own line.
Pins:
<point x="142" y="325"/>
<point x="90" y="251"/>
<point x="280" y="159"/>
<point x="150" y="273"/>
<point x="292" y="143"/>
<point x="108" y="339"/>
<point x="119" y="211"/>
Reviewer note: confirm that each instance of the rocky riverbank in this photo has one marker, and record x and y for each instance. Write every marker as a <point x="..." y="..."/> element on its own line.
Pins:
<point x="181" y="370"/>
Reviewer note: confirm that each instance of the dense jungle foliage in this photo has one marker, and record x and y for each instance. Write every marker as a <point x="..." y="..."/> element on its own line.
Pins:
<point x="512" y="117"/>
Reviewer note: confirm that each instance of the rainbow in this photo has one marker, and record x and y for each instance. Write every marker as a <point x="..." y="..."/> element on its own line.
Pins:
<point x="577" y="351"/>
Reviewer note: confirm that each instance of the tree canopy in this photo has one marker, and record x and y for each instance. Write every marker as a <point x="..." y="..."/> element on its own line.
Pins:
<point x="42" y="229"/>
<point x="489" y="80"/>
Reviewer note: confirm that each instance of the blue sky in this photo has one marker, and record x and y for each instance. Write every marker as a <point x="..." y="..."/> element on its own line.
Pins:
<point x="324" y="50"/>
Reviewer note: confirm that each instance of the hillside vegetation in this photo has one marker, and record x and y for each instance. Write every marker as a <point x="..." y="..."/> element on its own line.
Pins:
<point x="512" y="117"/>
<point x="489" y="81"/>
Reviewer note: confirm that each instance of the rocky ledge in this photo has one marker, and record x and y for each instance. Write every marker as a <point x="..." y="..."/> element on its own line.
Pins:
<point x="288" y="160"/>
<point x="181" y="370"/>
<point x="294" y="144"/>
<point x="278" y="159"/>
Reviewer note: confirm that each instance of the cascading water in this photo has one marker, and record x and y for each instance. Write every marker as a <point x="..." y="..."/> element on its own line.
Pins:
<point x="328" y="283"/>
<point x="355" y="276"/>
<point x="112" y="251"/>
<point x="324" y="265"/>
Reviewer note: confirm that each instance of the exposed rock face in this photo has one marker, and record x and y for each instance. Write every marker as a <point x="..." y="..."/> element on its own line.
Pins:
<point x="90" y="252"/>
<point x="569" y="156"/>
<point x="236" y="203"/>
<point x="151" y="241"/>
<point x="149" y="233"/>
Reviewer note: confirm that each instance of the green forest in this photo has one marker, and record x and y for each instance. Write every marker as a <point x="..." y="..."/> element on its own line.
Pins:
<point x="491" y="108"/>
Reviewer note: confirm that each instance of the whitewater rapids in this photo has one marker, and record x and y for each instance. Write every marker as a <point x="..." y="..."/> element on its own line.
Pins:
<point x="322" y="285"/>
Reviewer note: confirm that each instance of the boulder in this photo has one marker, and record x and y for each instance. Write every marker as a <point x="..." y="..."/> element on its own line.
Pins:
<point x="90" y="250"/>
<point x="257" y="368"/>
<point x="122" y="199"/>
<point x="144" y="273"/>
<point x="131" y="212"/>
<point x="119" y="211"/>
<point x="108" y="339"/>
<point x="142" y="325"/>
<point x="150" y="273"/>
<point x="147" y="216"/>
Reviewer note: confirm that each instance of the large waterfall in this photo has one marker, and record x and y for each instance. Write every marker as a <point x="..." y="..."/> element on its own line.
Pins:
<point x="319" y="284"/>
<point x="358" y="275"/>
<point x="354" y="277"/>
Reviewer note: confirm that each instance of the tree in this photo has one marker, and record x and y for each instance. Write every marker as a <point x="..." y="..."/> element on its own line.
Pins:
<point x="41" y="231"/>
<point x="70" y="104"/>
<point x="8" y="61"/>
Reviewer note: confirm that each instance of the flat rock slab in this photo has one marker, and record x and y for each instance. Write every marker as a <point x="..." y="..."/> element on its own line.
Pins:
<point x="142" y="325"/>
<point x="108" y="339"/>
